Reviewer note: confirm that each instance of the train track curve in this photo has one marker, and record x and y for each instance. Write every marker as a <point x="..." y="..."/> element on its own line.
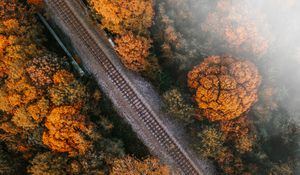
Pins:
<point x="66" y="12"/>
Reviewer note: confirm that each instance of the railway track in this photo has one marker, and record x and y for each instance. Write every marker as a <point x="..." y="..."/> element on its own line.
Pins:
<point x="144" y="114"/>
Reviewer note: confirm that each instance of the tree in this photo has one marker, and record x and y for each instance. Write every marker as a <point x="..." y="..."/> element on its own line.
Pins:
<point x="9" y="164"/>
<point x="225" y="87"/>
<point x="39" y="110"/>
<point x="66" y="89"/>
<point x="68" y="131"/>
<point x="239" y="131"/>
<point x="211" y="143"/>
<point x="48" y="163"/>
<point x="131" y="166"/>
<point x="283" y="168"/>
<point x="10" y="9"/>
<point x="22" y="119"/>
<point x="20" y="41"/>
<point x="176" y="105"/>
<point x="121" y="16"/>
<point x="133" y="51"/>
<point x="231" y="164"/>
<point x="41" y="69"/>
<point x="38" y="3"/>
<point x="176" y="32"/>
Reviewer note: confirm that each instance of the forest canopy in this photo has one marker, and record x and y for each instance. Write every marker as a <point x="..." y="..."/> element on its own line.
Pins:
<point x="227" y="72"/>
<point x="49" y="121"/>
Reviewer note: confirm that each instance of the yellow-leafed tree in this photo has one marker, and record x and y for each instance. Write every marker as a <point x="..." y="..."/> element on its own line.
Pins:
<point x="133" y="51"/>
<point x="121" y="16"/>
<point x="131" y="166"/>
<point x="67" y="131"/>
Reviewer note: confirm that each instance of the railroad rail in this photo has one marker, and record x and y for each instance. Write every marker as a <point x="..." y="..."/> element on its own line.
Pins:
<point x="144" y="114"/>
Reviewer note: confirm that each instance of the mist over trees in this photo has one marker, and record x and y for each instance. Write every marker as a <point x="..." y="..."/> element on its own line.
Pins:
<point x="227" y="72"/>
<point x="187" y="34"/>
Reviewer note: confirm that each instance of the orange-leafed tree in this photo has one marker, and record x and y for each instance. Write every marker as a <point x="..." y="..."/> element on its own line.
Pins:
<point x="121" y="16"/>
<point x="133" y="50"/>
<point x="236" y="128"/>
<point x="240" y="131"/>
<point x="131" y="166"/>
<point x="68" y="131"/>
<point x="32" y="84"/>
<point x="225" y="87"/>
<point x="36" y="2"/>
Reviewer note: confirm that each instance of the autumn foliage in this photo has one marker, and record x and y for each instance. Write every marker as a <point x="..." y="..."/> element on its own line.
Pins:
<point x="48" y="163"/>
<point x="133" y="50"/>
<point x="225" y="87"/>
<point x="211" y="142"/>
<point x="22" y="107"/>
<point x="66" y="89"/>
<point x="130" y="21"/>
<point x="38" y="3"/>
<point x="33" y="82"/>
<point x="66" y="130"/>
<point x="224" y="147"/>
<point x="131" y="166"/>
<point x="239" y="131"/>
<point x="128" y="15"/>
<point x="45" y="109"/>
<point x="177" y="106"/>
<point x="41" y="69"/>
<point x="236" y="128"/>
